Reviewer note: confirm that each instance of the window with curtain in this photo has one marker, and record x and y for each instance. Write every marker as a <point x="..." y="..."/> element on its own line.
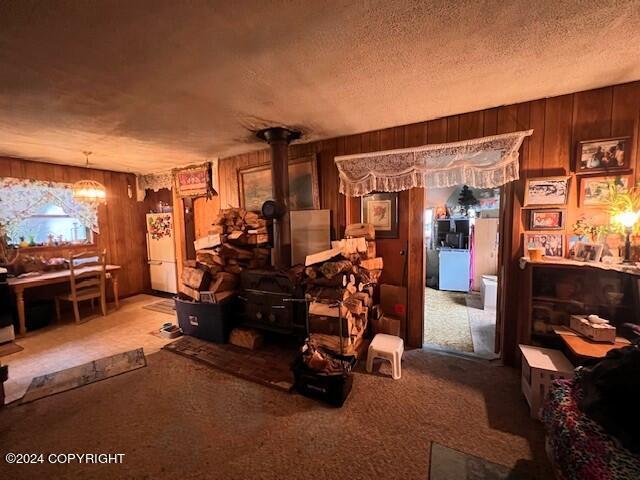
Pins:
<point x="50" y="224"/>
<point x="44" y="213"/>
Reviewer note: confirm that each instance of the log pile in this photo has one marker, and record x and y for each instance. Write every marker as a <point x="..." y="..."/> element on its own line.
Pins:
<point x="237" y="240"/>
<point x="340" y="283"/>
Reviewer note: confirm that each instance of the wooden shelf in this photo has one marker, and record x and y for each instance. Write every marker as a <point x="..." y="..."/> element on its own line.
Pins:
<point x="631" y="269"/>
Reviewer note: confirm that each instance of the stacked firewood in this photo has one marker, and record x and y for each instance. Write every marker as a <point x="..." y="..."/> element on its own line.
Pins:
<point x="237" y="240"/>
<point x="340" y="284"/>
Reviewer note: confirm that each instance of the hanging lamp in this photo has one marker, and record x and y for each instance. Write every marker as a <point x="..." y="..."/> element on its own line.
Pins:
<point x="89" y="191"/>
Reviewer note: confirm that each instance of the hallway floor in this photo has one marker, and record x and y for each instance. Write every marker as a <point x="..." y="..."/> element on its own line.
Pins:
<point x="457" y="321"/>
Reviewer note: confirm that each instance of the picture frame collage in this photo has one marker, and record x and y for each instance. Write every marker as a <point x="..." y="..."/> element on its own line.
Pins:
<point x="597" y="165"/>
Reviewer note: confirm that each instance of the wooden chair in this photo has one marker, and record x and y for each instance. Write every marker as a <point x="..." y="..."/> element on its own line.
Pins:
<point x="88" y="279"/>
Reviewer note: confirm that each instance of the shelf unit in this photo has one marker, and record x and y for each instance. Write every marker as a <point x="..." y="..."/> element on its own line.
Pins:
<point x="554" y="290"/>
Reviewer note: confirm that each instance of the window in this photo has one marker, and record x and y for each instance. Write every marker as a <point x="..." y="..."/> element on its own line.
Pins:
<point x="49" y="224"/>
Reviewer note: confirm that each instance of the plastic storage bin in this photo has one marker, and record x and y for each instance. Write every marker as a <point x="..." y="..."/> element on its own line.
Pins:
<point x="208" y="321"/>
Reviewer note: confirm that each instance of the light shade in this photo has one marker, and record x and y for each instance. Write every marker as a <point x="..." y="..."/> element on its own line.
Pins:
<point x="89" y="191"/>
<point x="628" y="219"/>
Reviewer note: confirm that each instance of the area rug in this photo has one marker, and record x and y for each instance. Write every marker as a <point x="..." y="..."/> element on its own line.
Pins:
<point x="270" y="365"/>
<point x="163" y="306"/>
<point x="9" y="348"/>
<point x="446" y="320"/>
<point x="449" y="464"/>
<point x="80" y="375"/>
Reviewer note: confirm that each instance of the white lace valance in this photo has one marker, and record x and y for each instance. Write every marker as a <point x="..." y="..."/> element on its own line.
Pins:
<point x="21" y="198"/>
<point x="155" y="181"/>
<point x="486" y="162"/>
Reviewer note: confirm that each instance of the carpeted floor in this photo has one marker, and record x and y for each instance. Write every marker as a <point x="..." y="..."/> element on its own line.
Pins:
<point x="180" y="419"/>
<point x="446" y="320"/>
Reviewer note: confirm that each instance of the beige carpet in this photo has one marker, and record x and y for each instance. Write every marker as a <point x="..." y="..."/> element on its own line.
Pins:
<point x="446" y="320"/>
<point x="180" y="419"/>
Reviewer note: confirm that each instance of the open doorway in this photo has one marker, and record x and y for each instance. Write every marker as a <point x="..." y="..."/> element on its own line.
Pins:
<point x="462" y="243"/>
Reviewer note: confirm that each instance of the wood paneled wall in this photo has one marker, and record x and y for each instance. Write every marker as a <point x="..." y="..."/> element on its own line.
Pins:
<point x="121" y="220"/>
<point x="558" y="124"/>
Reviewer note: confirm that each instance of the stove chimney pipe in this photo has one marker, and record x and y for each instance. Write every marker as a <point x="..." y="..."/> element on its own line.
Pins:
<point x="278" y="139"/>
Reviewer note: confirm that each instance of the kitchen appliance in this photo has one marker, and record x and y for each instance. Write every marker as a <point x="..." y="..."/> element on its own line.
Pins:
<point x="161" y="252"/>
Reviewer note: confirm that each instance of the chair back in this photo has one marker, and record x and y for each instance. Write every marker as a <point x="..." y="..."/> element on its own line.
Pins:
<point x="88" y="272"/>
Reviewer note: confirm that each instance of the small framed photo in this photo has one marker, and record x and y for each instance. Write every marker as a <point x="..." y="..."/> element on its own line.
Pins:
<point x="546" y="220"/>
<point x="546" y="192"/>
<point x="381" y="210"/>
<point x="553" y="243"/>
<point x="594" y="191"/>
<point x="603" y="156"/>
<point x="588" y="252"/>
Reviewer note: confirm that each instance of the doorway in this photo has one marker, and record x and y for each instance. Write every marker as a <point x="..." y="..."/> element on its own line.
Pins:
<point x="461" y="239"/>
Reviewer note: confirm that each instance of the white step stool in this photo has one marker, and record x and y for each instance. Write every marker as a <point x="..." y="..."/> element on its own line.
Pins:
<point x="388" y="347"/>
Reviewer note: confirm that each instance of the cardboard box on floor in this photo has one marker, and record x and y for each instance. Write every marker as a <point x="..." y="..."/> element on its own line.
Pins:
<point x="392" y="311"/>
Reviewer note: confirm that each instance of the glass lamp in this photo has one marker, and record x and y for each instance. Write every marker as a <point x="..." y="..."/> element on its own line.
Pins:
<point x="627" y="219"/>
<point x="89" y="191"/>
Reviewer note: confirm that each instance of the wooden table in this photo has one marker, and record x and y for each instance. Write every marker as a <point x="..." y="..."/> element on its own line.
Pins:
<point x="583" y="347"/>
<point x="19" y="285"/>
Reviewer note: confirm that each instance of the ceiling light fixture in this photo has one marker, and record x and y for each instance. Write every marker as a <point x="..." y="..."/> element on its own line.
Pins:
<point x="89" y="191"/>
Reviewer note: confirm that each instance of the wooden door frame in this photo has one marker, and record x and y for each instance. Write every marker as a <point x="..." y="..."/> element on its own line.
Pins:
<point x="417" y="264"/>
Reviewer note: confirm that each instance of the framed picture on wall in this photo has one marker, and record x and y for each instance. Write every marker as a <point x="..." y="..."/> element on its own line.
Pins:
<point x="603" y="156"/>
<point x="594" y="191"/>
<point x="553" y="243"/>
<point x="546" y="192"/>
<point x="381" y="210"/>
<point x="255" y="185"/>
<point x="546" y="219"/>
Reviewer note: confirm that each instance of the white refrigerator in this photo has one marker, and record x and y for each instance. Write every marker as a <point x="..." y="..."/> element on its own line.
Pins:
<point x="161" y="252"/>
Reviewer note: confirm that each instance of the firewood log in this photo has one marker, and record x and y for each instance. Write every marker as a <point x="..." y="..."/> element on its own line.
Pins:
<point x="195" y="278"/>
<point x="231" y="251"/>
<point x="209" y="257"/>
<point x="235" y="269"/>
<point x="310" y="272"/>
<point x="326" y="310"/>
<point x="246" y="338"/>
<point x="331" y="269"/>
<point x="236" y="235"/>
<point x="323" y="293"/>
<point x="371" y="249"/>
<point x="224" y="281"/>
<point x="365" y="230"/>
<point x="372" y="264"/>
<point x="335" y="282"/>
<point x="323" y="256"/>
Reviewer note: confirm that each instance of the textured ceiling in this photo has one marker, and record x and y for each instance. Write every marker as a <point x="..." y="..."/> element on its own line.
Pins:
<point x="148" y="85"/>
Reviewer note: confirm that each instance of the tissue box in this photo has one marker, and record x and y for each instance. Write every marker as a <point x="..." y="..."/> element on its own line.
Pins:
<point x="599" y="333"/>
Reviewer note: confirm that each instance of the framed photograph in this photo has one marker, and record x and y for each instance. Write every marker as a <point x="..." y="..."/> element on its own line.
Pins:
<point x="546" y="192"/>
<point x="255" y="185"/>
<point x="594" y="191"/>
<point x="587" y="252"/>
<point x="603" y="156"/>
<point x="553" y="243"/>
<point x="546" y="220"/>
<point x="381" y="210"/>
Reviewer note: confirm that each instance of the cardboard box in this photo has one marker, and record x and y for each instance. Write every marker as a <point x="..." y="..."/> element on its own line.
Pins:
<point x="600" y="333"/>
<point x="393" y="301"/>
<point x="386" y="324"/>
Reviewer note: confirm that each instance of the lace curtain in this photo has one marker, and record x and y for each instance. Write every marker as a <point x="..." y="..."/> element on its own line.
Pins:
<point x="486" y="162"/>
<point x="156" y="181"/>
<point x="21" y="198"/>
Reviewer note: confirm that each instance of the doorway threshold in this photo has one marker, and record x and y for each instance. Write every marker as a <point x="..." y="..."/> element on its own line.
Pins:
<point x="484" y="357"/>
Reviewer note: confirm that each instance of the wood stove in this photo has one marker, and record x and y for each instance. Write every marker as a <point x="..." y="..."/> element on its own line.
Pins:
<point x="268" y="294"/>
